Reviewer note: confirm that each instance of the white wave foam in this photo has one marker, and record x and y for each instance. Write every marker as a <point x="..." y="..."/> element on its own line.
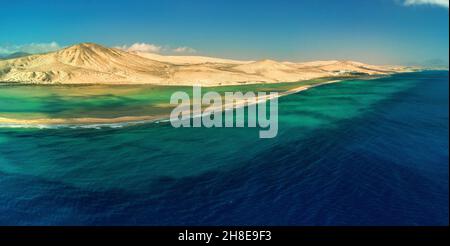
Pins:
<point x="77" y="126"/>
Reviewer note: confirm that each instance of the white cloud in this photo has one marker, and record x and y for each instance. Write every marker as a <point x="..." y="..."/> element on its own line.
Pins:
<point x="142" y="47"/>
<point x="153" y="48"/>
<point x="442" y="3"/>
<point x="184" y="49"/>
<point x="33" y="48"/>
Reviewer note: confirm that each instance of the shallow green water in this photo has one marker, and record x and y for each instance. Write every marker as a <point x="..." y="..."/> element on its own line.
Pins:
<point x="166" y="151"/>
<point x="31" y="102"/>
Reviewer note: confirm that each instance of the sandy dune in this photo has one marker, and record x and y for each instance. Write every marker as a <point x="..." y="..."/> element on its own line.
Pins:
<point x="89" y="63"/>
<point x="187" y="60"/>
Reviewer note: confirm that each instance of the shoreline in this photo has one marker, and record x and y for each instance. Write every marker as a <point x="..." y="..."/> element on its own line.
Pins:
<point x="120" y="84"/>
<point x="130" y="120"/>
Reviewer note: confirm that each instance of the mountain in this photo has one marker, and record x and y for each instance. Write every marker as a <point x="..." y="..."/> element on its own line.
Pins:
<point x="15" y="55"/>
<point x="89" y="63"/>
<point x="84" y="63"/>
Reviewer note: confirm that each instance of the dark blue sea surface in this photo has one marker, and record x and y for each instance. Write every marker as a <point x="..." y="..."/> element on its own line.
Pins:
<point x="358" y="152"/>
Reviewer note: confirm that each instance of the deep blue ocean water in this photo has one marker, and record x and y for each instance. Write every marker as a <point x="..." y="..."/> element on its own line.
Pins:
<point x="359" y="152"/>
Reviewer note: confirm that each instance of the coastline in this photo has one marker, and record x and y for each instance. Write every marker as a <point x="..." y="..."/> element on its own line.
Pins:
<point x="182" y="84"/>
<point x="119" y="84"/>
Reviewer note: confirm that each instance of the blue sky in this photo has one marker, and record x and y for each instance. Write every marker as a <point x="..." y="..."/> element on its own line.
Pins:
<point x="374" y="31"/>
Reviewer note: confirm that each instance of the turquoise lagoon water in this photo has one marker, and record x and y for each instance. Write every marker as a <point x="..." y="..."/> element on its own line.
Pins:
<point x="358" y="152"/>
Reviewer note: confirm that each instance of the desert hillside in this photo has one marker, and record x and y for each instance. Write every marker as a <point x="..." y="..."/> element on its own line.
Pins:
<point x="187" y="60"/>
<point x="89" y="63"/>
